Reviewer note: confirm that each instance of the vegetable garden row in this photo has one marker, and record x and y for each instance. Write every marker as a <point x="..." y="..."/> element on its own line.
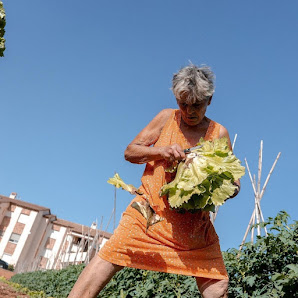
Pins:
<point x="267" y="268"/>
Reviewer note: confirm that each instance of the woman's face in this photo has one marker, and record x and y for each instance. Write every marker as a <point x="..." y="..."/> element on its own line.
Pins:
<point x="193" y="114"/>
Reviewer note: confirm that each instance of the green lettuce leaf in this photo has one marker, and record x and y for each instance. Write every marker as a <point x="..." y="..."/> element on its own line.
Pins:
<point x="205" y="179"/>
<point x="118" y="182"/>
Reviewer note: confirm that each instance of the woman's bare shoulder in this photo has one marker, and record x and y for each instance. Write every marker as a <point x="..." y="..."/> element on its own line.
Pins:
<point x="162" y="117"/>
<point x="223" y="132"/>
<point x="165" y="113"/>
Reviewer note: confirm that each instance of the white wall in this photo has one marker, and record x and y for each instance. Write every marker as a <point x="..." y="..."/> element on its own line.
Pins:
<point x="8" y="231"/>
<point x="59" y="236"/>
<point x="24" y="236"/>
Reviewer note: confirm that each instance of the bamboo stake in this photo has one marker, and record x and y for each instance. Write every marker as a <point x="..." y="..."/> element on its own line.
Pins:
<point x="251" y="180"/>
<point x="257" y="201"/>
<point x="259" y="187"/>
<point x="79" y="246"/>
<point x="235" y="138"/>
<point x="115" y="197"/>
<point x="86" y="259"/>
<point x="102" y="236"/>
<point x="266" y="233"/>
<point x="252" y="229"/>
<point x="100" y="228"/>
<point x="257" y="217"/>
<point x="269" y="175"/>
<point x="83" y="247"/>
<point x="213" y="215"/>
<point x="260" y="166"/>
<point x="254" y="218"/>
<point x="90" y="248"/>
<point x="247" y="230"/>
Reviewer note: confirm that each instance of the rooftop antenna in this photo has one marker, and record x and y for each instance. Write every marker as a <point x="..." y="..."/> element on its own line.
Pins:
<point x="213" y="215"/>
<point x="257" y="215"/>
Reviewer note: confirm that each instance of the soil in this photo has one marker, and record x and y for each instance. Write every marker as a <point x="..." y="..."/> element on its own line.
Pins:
<point x="7" y="291"/>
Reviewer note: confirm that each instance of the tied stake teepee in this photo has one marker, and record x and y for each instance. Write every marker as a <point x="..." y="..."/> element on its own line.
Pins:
<point x="257" y="215"/>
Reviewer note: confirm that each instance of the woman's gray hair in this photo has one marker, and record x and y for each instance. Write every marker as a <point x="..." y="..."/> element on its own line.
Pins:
<point x="197" y="83"/>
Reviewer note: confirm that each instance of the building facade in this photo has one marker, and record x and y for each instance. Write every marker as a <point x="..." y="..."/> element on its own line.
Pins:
<point x="31" y="238"/>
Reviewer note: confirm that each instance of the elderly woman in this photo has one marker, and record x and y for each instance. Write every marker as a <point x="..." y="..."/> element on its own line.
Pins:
<point x="181" y="243"/>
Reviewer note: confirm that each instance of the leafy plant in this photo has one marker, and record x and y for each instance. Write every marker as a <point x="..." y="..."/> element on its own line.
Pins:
<point x="21" y="289"/>
<point x="10" y="267"/>
<point x="206" y="178"/>
<point x="269" y="267"/>
<point x="131" y="282"/>
<point x="54" y="283"/>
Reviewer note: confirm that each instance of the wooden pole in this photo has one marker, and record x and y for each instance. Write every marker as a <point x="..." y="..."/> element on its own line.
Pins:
<point x="254" y="218"/>
<point x="253" y="228"/>
<point x="115" y="197"/>
<point x="251" y="180"/>
<point x="269" y="175"/>
<point x="260" y="167"/>
<point x="247" y="230"/>
<point x="100" y="228"/>
<point x="235" y="138"/>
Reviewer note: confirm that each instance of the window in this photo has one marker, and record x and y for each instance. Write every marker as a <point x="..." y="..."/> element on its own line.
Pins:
<point x="14" y="238"/>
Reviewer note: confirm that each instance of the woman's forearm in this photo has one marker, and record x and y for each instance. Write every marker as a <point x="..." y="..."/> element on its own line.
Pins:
<point x="139" y="154"/>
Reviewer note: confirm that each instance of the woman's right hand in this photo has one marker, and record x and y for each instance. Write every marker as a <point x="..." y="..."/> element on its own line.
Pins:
<point x="172" y="152"/>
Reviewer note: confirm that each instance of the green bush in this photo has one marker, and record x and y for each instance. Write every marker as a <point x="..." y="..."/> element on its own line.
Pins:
<point x="267" y="268"/>
<point x="131" y="282"/>
<point x="54" y="283"/>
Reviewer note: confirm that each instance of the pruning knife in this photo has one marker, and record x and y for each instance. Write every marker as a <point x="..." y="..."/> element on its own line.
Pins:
<point x="189" y="150"/>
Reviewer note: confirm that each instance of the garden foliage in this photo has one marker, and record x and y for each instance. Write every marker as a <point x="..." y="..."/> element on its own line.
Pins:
<point x="267" y="268"/>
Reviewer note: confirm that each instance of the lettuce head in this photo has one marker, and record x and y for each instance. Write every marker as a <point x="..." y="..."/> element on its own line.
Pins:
<point x="205" y="179"/>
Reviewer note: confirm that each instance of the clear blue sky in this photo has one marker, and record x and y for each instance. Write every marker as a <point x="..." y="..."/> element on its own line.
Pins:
<point x="80" y="79"/>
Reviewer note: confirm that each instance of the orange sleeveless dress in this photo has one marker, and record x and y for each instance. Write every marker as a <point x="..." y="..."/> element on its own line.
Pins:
<point x="182" y="243"/>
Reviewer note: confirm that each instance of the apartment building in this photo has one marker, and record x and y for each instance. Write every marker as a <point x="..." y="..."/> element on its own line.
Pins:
<point x="31" y="238"/>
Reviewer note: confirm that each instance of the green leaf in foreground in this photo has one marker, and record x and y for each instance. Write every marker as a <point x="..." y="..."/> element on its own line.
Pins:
<point x="118" y="182"/>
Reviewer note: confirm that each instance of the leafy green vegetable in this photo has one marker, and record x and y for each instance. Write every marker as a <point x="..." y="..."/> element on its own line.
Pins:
<point x="118" y="182"/>
<point x="206" y="178"/>
<point x="142" y="207"/>
<point x="2" y="30"/>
